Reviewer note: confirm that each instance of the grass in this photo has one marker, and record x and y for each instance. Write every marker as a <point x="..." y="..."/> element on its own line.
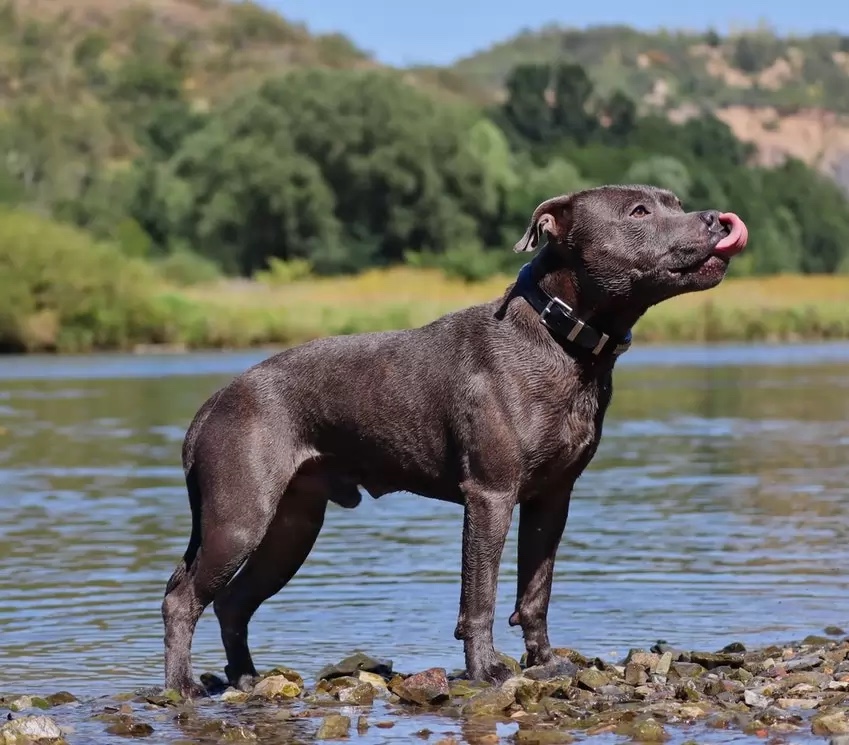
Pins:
<point x="239" y="314"/>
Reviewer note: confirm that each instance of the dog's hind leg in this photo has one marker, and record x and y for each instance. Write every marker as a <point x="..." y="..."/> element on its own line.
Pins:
<point x="289" y="540"/>
<point x="233" y="505"/>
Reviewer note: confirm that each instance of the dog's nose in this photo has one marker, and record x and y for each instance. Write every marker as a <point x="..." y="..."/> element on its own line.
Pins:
<point x="710" y="218"/>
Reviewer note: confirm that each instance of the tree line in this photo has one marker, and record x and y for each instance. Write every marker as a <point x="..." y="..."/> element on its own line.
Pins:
<point x="342" y="170"/>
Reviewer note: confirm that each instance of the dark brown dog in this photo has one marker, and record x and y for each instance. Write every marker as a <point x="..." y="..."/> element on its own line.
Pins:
<point x="490" y="407"/>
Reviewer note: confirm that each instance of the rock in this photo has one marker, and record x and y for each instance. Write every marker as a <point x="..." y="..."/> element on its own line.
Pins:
<point x="354" y="664"/>
<point x="359" y="695"/>
<point x="636" y="675"/>
<point x="733" y="648"/>
<point x="287" y="673"/>
<point x="592" y="679"/>
<point x="645" y="659"/>
<point x="687" y="691"/>
<point x="466" y="688"/>
<point x="29" y="728"/>
<point x="687" y="669"/>
<point x="362" y="724"/>
<point x="573" y="655"/>
<point x="644" y="729"/>
<point x="276" y="686"/>
<point x="834" y="631"/>
<point x="333" y="727"/>
<point x="492" y="702"/>
<point x="232" y="696"/>
<point x="835" y="723"/>
<point x="663" y="664"/>
<point x="798" y="703"/>
<point x="806" y="662"/>
<point x="427" y="687"/>
<point x="559" y="668"/>
<point x="813" y="640"/>
<point x="22" y="703"/>
<point x="126" y="726"/>
<point x="817" y="680"/>
<point x="757" y="700"/>
<point x="710" y="660"/>
<point x="542" y="737"/>
<point x="512" y="665"/>
<point x="378" y="682"/>
<point x="60" y="698"/>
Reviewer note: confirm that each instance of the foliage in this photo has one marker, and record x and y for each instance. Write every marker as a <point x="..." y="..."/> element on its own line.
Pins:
<point x="169" y="160"/>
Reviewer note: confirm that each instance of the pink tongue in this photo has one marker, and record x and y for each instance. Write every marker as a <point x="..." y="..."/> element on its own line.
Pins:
<point x="736" y="240"/>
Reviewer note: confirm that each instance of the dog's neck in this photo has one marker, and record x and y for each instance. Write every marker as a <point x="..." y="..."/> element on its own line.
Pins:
<point x="565" y="282"/>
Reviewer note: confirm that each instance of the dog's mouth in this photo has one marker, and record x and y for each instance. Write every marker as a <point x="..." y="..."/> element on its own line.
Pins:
<point x="716" y="261"/>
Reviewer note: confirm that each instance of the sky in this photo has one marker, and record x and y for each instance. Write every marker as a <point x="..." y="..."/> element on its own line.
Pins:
<point x="404" y="32"/>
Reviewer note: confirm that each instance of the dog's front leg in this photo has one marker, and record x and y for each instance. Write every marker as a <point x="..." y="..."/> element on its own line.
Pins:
<point x="486" y="522"/>
<point x="541" y="524"/>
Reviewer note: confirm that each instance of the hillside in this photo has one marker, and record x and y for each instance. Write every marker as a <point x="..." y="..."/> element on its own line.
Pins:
<point x="785" y="95"/>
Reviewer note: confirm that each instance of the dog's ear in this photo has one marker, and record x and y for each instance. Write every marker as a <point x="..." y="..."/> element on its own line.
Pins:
<point x="553" y="217"/>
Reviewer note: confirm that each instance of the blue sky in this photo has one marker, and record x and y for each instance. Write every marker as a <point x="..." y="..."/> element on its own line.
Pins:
<point x="403" y="32"/>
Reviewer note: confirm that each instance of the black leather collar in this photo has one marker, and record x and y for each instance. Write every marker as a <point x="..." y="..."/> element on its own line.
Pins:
<point x="561" y="321"/>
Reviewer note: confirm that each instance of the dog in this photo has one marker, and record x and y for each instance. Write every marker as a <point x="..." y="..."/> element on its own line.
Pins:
<point x="490" y="407"/>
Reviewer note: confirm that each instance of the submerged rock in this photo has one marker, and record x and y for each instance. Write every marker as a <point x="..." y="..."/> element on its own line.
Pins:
<point x="542" y="737"/>
<point x="22" y="703"/>
<point x="29" y="728"/>
<point x="427" y="687"/>
<point x="126" y="726"/>
<point x="232" y="696"/>
<point x="333" y="727"/>
<point x="60" y="698"/>
<point x="354" y="664"/>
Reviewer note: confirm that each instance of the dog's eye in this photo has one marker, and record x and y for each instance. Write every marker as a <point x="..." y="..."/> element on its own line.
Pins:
<point x="639" y="211"/>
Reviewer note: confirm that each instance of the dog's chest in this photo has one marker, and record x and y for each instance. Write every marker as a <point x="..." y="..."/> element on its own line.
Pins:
<point x="573" y="429"/>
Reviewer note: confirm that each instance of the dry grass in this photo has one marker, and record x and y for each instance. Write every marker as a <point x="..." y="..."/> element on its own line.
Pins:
<point x="243" y="313"/>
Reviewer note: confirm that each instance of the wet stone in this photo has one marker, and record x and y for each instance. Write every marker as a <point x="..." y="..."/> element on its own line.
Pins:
<point x="466" y="688"/>
<point x="835" y="723"/>
<point x="687" y="669"/>
<point x="126" y="726"/>
<point x="644" y="729"/>
<point x="806" y="662"/>
<point x="354" y="664"/>
<point x="378" y="682"/>
<point x="25" y="730"/>
<point x="276" y="686"/>
<point x="636" y="675"/>
<point x="286" y="672"/>
<point x="60" y="698"/>
<point x="813" y="640"/>
<point x="798" y="703"/>
<point x="359" y="695"/>
<point x="362" y="724"/>
<point x="542" y="737"/>
<point x="427" y="687"/>
<point x="333" y="727"/>
<point x="756" y="700"/>
<point x="232" y="696"/>
<point x="688" y="691"/>
<point x="592" y="679"/>
<point x="560" y="667"/>
<point x="710" y="660"/>
<point x="834" y="631"/>
<point x="23" y="703"/>
<point x="489" y="702"/>
<point x="645" y="659"/>
<point x="733" y="648"/>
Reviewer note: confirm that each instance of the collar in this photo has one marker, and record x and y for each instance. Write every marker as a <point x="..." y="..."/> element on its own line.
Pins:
<point x="560" y="319"/>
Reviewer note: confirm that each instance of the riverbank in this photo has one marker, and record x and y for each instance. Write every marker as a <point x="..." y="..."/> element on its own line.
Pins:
<point x="797" y="692"/>
<point x="142" y="311"/>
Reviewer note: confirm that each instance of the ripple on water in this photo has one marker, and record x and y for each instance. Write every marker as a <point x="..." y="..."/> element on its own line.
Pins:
<point x="712" y="511"/>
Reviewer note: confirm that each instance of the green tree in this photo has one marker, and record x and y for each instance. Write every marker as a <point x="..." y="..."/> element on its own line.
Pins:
<point x="527" y="110"/>
<point x="571" y="116"/>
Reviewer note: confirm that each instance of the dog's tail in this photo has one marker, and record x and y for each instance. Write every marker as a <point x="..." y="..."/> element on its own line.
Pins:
<point x="194" y="539"/>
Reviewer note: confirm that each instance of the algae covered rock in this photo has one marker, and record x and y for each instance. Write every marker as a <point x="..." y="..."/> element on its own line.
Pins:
<point x="542" y="737"/>
<point x="493" y="701"/>
<point x="277" y="686"/>
<point x="29" y="729"/>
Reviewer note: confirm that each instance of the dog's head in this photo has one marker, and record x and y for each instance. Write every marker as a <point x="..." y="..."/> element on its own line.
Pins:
<point x="634" y="246"/>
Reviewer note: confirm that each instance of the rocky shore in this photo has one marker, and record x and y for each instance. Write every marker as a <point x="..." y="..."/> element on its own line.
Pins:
<point x="781" y="692"/>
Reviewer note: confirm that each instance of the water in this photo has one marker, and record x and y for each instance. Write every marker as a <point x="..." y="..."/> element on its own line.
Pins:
<point x="717" y="509"/>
